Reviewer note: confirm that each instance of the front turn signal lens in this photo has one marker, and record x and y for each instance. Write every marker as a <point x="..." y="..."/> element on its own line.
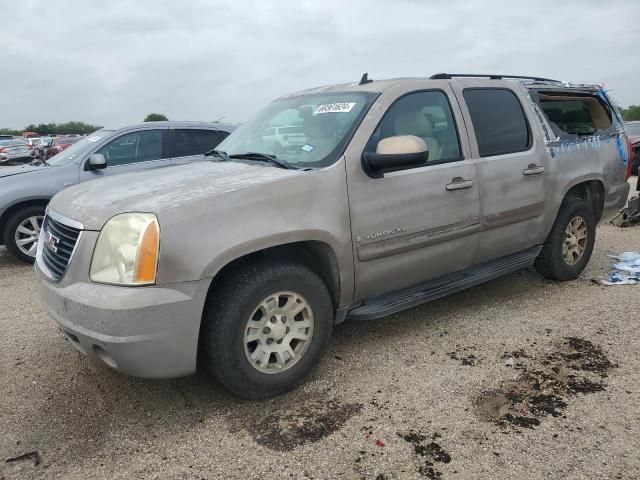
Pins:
<point x="148" y="255"/>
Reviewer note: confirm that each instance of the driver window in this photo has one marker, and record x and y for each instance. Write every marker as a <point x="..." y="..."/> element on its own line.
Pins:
<point x="133" y="147"/>
<point x="426" y="115"/>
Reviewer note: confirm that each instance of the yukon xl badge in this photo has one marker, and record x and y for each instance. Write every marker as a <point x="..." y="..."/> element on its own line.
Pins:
<point x="51" y="241"/>
<point x="383" y="233"/>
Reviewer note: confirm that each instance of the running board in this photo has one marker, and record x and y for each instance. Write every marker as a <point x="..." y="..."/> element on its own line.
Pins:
<point x="454" y="282"/>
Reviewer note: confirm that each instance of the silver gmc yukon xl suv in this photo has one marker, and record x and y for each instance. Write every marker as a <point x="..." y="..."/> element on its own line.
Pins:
<point x="403" y="191"/>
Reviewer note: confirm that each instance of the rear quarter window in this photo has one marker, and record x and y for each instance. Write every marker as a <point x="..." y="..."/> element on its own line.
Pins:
<point x="575" y="114"/>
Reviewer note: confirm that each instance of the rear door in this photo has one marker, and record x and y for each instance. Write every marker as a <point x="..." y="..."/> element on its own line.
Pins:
<point x="130" y="152"/>
<point x="418" y="224"/>
<point x="188" y="144"/>
<point x="511" y="160"/>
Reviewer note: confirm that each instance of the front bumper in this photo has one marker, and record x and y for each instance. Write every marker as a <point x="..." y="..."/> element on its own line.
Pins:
<point x="148" y="332"/>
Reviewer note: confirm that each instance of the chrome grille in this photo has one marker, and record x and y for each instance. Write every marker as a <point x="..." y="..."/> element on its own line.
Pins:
<point x="57" y="246"/>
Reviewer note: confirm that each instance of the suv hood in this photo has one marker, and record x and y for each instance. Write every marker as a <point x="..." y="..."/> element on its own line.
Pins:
<point x="93" y="203"/>
<point x="8" y="171"/>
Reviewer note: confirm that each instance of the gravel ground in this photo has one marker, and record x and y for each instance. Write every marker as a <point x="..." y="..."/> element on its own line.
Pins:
<point x="517" y="378"/>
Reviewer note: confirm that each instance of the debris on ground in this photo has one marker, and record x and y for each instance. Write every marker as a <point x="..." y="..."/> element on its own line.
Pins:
<point x="35" y="456"/>
<point x="626" y="271"/>
<point x="629" y="215"/>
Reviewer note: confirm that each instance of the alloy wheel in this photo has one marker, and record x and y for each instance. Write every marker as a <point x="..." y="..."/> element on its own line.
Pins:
<point x="27" y="234"/>
<point x="575" y="240"/>
<point x="278" y="332"/>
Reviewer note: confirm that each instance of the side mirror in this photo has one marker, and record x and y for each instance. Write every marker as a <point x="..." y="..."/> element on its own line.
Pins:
<point x="96" y="162"/>
<point x="395" y="153"/>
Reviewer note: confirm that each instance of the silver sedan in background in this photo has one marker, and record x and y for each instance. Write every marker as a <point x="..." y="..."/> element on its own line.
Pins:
<point x="15" y="151"/>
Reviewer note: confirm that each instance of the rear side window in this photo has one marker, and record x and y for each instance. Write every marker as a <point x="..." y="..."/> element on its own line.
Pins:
<point x="187" y="142"/>
<point x="498" y="121"/>
<point x="571" y="114"/>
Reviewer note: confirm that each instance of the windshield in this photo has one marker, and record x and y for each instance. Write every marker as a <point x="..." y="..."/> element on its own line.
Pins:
<point x="78" y="149"/>
<point x="632" y="128"/>
<point x="303" y="131"/>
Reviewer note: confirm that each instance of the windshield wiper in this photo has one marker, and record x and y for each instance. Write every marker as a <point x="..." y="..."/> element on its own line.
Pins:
<point x="263" y="157"/>
<point x="218" y="153"/>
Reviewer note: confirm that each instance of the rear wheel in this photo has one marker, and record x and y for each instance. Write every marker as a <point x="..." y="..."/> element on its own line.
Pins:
<point x="22" y="231"/>
<point x="266" y="327"/>
<point x="568" y="247"/>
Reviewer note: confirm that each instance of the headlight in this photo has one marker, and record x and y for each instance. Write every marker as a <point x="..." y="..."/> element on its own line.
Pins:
<point x="126" y="252"/>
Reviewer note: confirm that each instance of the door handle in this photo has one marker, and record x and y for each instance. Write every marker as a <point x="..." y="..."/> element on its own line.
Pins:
<point x="533" y="169"/>
<point x="459" y="183"/>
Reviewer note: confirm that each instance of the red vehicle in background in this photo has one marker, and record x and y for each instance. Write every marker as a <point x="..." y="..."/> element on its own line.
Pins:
<point x="60" y="144"/>
<point x="632" y="130"/>
<point x="30" y="134"/>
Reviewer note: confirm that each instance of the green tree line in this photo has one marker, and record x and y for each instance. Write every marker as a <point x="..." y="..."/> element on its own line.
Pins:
<point x="80" y="128"/>
<point x="54" y="129"/>
<point x="631" y="113"/>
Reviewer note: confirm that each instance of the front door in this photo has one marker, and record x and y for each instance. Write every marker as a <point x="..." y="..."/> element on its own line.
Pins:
<point x="133" y="151"/>
<point x="413" y="225"/>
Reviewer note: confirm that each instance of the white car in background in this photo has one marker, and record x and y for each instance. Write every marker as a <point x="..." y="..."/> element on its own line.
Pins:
<point x="280" y="139"/>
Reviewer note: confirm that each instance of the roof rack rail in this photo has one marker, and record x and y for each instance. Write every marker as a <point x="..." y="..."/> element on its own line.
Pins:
<point x="446" y="76"/>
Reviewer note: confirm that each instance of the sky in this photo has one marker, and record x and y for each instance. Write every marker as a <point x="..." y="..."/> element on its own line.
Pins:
<point x="111" y="63"/>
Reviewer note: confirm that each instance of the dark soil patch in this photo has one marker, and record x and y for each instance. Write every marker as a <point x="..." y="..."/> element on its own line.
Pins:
<point x="583" y="385"/>
<point x="465" y="358"/>
<point x="286" y="431"/>
<point x="519" y="420"/>
<point x="587" y="356"/>
<point x="431" y="453"/>
<point x="545" y="384"/>
<point x="541" y="405"/>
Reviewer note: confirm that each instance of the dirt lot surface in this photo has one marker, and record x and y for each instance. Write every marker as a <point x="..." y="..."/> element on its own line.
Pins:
<point x="518" y="378"/>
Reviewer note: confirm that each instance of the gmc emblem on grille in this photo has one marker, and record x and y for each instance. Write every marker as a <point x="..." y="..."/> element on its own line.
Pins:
<point x="51" y="241"/>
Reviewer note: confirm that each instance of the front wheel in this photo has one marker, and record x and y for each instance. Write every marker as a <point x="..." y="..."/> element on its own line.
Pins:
<point x="22" y="231"/>
<point x="266" y="327"/>
<point x="568" y="247"/>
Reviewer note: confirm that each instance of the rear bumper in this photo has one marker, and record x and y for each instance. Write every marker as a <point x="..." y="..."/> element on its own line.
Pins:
<point x="148" y="332"/>
<point x="615" y="198"/>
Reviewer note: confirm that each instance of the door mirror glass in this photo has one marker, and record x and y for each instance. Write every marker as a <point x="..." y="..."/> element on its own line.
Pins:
<point x="395" y="153"/>
<point x="97" y="162"/>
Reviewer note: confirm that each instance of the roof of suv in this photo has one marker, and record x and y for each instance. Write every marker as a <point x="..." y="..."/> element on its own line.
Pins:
<point x="377" y="86"/>
<point x="227" y="127"/>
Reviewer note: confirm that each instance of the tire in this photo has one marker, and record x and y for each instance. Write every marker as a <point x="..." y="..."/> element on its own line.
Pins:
<point x="226" y="325"/>
<point x="551" y="261"/>
<point x="9" y="234"/>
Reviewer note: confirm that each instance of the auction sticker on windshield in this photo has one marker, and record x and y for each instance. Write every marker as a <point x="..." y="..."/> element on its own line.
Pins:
<point x="343" y="107"/>
<point x="93" y="139"/>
